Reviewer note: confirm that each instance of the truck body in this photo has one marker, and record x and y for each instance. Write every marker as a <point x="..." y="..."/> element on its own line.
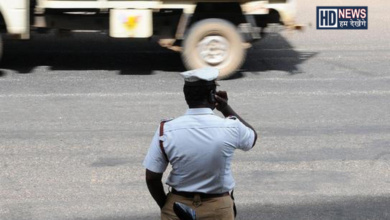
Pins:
<point x="207" y="33"/>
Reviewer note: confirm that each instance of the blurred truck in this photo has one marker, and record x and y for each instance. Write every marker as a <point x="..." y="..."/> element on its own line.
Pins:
<point x="207" y="33"/>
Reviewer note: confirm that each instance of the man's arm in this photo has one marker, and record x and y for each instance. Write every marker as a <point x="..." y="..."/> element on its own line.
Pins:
<point x="156" y="188"/>
<point x="226" y="110"/>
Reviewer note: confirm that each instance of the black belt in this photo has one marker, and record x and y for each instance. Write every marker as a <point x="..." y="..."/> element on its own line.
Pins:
<point x="202" y="195"/>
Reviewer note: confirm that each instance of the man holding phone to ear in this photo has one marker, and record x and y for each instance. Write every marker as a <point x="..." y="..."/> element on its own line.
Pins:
<point x="199" y="145"/>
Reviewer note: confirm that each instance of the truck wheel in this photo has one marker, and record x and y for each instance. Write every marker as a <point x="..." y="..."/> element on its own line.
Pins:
<point x="214" y="43"/>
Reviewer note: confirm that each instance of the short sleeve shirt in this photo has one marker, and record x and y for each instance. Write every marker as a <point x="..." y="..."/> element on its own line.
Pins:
<point x="199" y="146"/>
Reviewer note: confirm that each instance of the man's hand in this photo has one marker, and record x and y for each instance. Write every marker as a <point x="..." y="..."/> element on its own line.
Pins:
<point x="222" y="100"/>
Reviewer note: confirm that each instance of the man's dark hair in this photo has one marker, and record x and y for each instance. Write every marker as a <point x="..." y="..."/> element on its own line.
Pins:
<point x="198" y="95"/>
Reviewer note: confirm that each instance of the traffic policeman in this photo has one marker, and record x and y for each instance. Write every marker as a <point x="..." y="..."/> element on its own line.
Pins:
<point x="199" y="145"/>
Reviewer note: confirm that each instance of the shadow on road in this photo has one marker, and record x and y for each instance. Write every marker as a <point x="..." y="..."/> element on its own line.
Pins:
<point x="133" y="57"/>
<point x="89" y="52"/>
<point x="275" y="53"/>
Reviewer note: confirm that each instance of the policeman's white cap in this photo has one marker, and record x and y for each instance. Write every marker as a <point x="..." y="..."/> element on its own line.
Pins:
<point x="206" y="74"/>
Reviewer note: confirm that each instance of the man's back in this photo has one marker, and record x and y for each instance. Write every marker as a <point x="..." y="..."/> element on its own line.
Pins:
<point x="200" y="146"/>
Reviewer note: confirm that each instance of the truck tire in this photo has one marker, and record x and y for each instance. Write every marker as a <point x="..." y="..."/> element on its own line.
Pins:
<point x="214" y="43"/>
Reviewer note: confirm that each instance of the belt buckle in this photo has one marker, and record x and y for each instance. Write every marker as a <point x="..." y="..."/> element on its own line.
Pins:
<point x="197" y="201"/>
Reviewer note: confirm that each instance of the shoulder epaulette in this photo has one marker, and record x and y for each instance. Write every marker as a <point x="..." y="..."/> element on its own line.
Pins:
<point x="167" y="119"/>
<point x="161" y="139"/>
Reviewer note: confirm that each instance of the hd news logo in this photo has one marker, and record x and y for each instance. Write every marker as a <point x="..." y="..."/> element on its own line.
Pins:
<point x="342" y="17"/>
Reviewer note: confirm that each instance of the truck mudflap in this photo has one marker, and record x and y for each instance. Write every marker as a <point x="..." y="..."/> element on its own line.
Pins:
<point x="131" y="23"/>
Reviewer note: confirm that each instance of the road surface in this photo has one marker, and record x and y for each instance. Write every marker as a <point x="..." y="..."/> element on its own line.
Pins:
<point x="77" y="116"/>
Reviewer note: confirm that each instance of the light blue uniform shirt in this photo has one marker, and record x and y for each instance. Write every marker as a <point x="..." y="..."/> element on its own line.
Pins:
<point x="200" y="147"/>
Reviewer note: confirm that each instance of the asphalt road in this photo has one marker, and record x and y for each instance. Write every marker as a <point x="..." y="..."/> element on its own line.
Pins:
<point x="77" y="116"/>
